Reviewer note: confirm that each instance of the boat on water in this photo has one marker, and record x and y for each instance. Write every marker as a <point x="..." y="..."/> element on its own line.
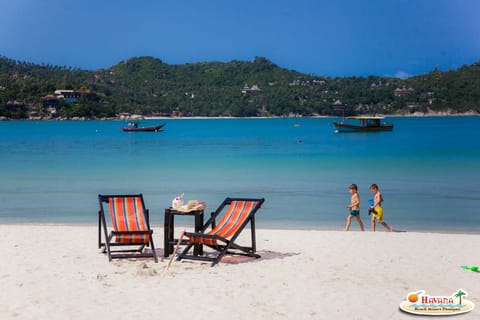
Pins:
<point x="363" y="123"/>
<point x="134" y="127"/>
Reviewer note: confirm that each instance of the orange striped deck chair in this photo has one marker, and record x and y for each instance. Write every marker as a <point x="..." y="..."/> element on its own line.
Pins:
<point x="130" y="228"/>
<point x="237" y="214"/>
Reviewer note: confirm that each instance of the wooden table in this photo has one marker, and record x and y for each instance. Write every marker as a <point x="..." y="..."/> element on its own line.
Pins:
<point x="168" y="230"/>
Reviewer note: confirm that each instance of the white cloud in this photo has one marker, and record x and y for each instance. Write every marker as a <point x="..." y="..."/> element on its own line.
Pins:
<point x="402" y="75"/>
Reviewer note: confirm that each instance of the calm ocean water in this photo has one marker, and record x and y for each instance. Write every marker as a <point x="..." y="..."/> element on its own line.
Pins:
<point x="428" y="169"/>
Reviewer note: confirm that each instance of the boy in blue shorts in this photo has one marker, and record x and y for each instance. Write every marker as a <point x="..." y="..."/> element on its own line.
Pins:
<point x="354" y="208"/>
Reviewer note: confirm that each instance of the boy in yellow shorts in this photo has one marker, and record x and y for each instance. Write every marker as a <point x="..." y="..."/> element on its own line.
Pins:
<point x="377" y="208"/>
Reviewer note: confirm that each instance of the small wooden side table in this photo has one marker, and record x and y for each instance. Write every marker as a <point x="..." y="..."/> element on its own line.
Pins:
<point x="168" y="230"/>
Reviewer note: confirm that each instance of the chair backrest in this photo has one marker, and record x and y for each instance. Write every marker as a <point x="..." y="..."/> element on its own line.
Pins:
<point x="235" y="217"/>
<point x="128" y="214"/>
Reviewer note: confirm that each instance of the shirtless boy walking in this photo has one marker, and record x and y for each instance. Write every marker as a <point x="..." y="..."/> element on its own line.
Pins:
<point x="377" y="208"/>
<point x="354" y="208"/>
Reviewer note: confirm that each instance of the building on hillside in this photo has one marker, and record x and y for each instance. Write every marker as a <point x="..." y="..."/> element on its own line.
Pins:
<point x="306" y="83"/>
<point x="400" y="92"/>
<point x="50" y="101"/>
<point x="70" y="96"/>
<point x="246" y="89"/>
<point x="379" y="85"/>
<point x="338" y="104"/>
<point x="73" y="96"/>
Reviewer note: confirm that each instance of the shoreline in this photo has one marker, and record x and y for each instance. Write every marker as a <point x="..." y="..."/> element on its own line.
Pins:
<point x="135" y="118"/>
<point x="159" y="227"/>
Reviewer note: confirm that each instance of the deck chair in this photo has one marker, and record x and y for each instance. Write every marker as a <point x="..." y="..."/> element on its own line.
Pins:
<point x="130" y="227"/>
<point x="238" y="212"/>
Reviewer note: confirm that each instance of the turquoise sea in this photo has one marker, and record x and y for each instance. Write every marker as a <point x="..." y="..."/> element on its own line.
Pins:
<point x="427" y="168"/>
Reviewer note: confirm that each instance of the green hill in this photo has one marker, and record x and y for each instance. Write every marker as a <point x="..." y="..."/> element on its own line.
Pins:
<point x="149" y="87"/>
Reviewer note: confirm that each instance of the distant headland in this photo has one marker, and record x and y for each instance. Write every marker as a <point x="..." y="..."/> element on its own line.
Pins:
<point x="148" y="87"/>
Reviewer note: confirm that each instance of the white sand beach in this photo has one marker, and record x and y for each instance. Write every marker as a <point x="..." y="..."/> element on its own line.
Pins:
<point x="56" y="272"/>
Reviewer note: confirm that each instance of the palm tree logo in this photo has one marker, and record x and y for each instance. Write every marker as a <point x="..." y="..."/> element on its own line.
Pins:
<point x="459" y="295"/>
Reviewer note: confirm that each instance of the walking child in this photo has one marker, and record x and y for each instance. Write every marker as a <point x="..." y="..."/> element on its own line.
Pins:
<point x="377" y="208"/>
<point x="354" y="208"/>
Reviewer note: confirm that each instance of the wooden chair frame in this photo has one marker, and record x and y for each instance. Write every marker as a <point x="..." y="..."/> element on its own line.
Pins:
<point x="227" y="245"/>
<point x="126" y="250"/>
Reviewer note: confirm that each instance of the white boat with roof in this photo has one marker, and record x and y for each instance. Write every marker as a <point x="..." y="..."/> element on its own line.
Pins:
<point x="362" y="123"/>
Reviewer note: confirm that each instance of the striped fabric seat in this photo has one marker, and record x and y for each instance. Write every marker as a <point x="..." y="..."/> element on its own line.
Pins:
<point x="127" y="215"/>
<point x="235" y="216"/>
<point x="127" y="233"/>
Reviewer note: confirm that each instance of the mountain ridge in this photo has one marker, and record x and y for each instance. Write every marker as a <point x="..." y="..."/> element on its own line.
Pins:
<point x="149" y="87"/>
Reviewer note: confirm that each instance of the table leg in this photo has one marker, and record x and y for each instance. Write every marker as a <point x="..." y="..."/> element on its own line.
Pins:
<point x="198" y="248"/>
<point x="165" y="233"/>
<point x="171" y="236"/>
<point x="168" y="233"/>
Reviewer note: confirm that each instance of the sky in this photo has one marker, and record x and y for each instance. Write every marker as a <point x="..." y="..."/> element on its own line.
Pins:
<point x="335" y="38"/>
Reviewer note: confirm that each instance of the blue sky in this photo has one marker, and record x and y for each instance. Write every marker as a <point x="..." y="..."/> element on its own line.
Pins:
<point x="325" y="38"/>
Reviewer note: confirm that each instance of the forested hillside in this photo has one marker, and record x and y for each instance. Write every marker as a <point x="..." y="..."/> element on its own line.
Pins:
<point x="149" y="87"/>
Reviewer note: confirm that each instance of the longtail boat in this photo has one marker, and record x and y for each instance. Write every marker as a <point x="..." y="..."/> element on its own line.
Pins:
<point x="365" y="123"/>
<point x="133" y="127"/>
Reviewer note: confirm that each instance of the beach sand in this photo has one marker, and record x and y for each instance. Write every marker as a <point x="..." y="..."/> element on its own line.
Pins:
<point x="56" y="272"/>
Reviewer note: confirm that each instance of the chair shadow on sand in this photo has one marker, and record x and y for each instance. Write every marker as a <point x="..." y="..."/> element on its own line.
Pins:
<point x="264" y="255"/>
<point x="236" y="259"/>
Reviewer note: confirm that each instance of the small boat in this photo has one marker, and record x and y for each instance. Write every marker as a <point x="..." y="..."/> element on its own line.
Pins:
<point x="366" y="124"/>
<point x="133" y="127"/>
